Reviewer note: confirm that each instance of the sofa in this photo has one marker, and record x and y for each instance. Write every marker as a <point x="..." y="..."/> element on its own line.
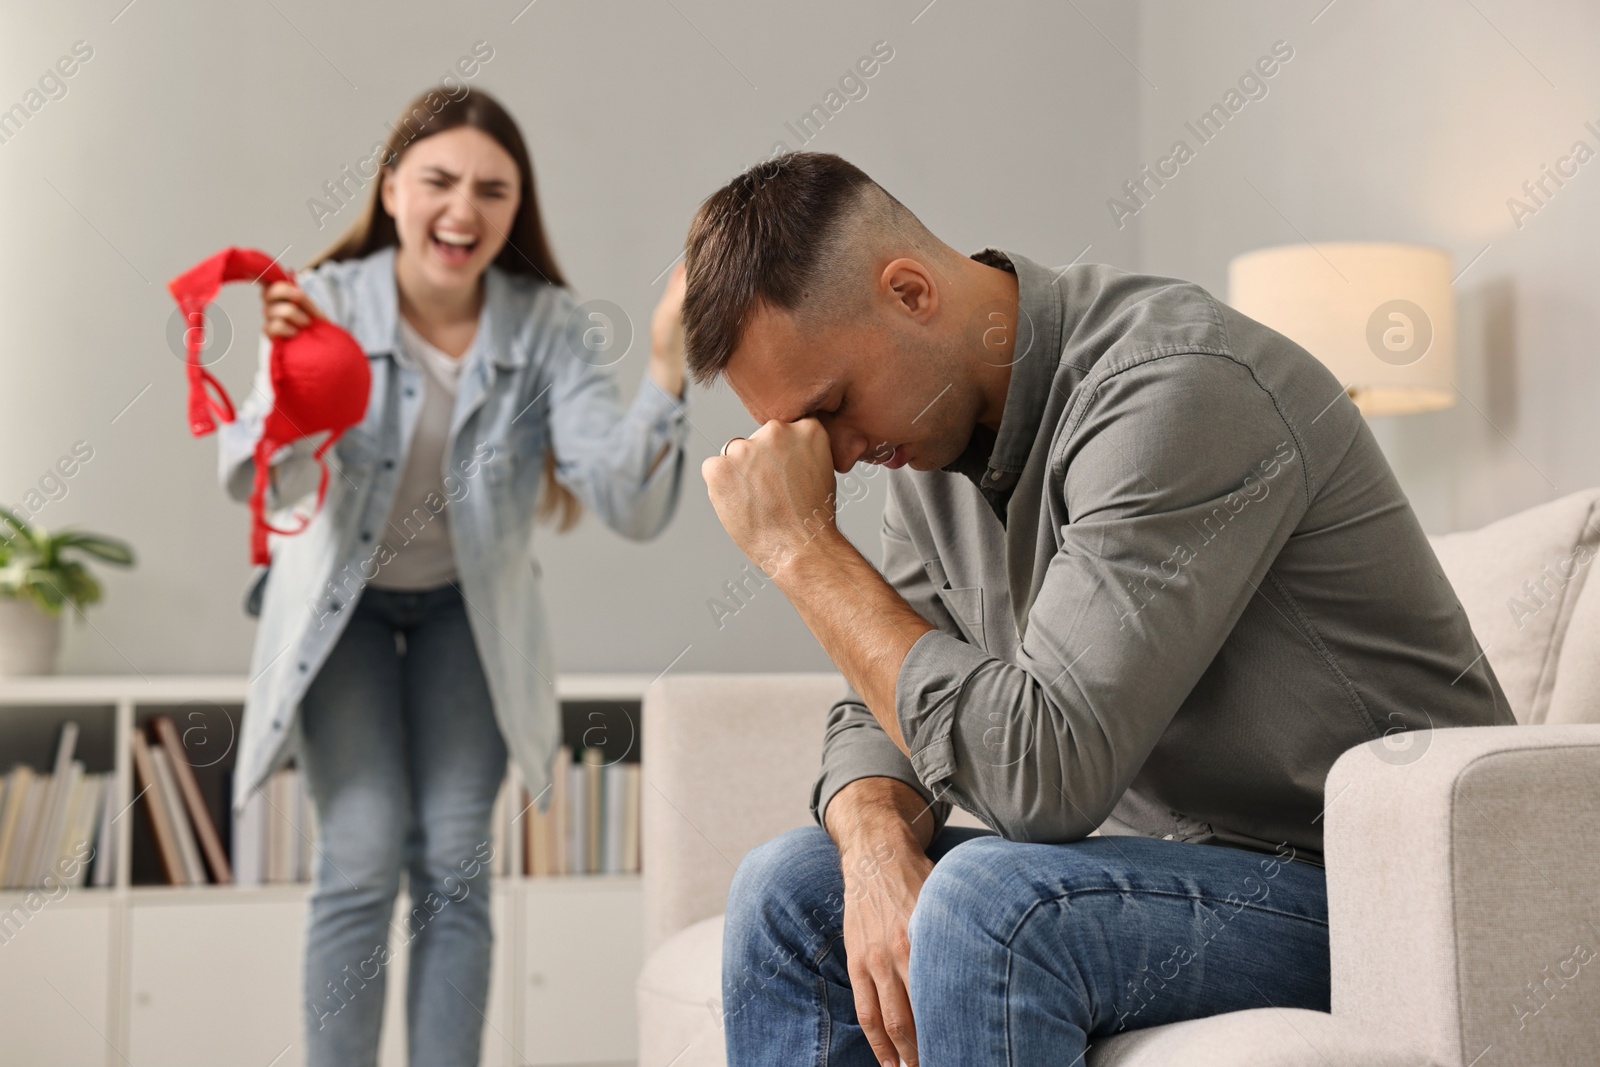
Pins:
<point x="1463" y="864"/>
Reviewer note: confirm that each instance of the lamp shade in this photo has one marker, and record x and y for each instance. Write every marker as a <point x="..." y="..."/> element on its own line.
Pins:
<point x="1380" y="316"/>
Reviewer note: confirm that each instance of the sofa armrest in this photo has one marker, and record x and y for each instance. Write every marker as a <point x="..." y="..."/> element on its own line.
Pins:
<point x="729" y="761"/>
<point x="1462" y="892"/>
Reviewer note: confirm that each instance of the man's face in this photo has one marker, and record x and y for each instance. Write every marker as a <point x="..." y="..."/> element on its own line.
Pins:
<point x="888" y="389"/>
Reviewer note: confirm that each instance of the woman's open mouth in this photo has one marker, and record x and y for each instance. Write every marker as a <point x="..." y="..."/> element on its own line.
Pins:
<point x="452" y="246"/>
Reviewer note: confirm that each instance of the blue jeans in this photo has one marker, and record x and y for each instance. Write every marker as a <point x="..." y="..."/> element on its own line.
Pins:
<point x="404" y="759"/>
<point x="1022" y="954"/>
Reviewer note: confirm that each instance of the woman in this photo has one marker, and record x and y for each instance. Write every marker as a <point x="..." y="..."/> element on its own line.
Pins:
<point x="405" y="624"/>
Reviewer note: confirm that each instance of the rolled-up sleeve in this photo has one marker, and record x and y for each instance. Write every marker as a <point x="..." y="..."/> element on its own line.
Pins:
<point x="1182" y="482"/>
<point x="854" y="745"/>
<point x="604" y="453"/>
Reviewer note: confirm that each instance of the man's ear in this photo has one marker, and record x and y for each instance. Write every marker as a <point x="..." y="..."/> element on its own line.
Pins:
<point x="912" y="287"/>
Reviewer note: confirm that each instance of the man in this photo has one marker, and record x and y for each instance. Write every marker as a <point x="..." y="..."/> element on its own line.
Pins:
<point x="1145" y="571"/>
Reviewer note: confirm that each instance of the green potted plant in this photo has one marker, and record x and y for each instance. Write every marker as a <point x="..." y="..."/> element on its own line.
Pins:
<point x="36" y="580"/>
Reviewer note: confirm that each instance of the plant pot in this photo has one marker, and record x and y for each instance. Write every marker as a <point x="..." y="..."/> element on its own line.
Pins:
<point x="30" y="638"/>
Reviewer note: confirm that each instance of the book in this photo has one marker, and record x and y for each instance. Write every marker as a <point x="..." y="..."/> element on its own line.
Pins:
<point x="6" y="798"/>
<point x="614" y="785"/>
<point x="29" y="788"/>
<point x="70" y="863"/>
<point x="105" y="839"/>
<point x="560" y="784"/>
<point x="577" y="824"/>
<point x="27" y="830"/>
<point x="632" y="796"/>
<point x="52" y="813"/>
<point x="534" y="838"/>
<point x="54" y="831"/>
<point x="594" y="811"/>
<point x="18" y="784"/>
<point x="156" y="810"/>
<point x="194" y="804"/>
<point x="182" y="832"/>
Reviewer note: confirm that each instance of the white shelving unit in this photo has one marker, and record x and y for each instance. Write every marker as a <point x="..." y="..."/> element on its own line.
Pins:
<point x="178" y="976"/>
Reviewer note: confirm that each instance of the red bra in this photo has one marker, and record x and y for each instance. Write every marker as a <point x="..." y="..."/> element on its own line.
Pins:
<point x="320" y="380"/>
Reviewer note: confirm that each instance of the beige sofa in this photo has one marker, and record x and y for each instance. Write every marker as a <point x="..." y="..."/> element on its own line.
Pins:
<point x="1463" y="865"/>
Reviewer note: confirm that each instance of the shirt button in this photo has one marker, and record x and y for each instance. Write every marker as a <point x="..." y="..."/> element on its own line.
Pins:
<point x="366" y="535"/>
<point x="995" y="476"/>
<point x="388" y="464"/>
<point x="302" y="665"/>
<point x="410" y="391"/>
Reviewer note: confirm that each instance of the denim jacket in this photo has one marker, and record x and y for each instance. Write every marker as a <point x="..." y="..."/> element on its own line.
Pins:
<point x="527" y="383"/>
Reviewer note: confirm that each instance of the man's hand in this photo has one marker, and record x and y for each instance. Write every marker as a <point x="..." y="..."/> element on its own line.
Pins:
<point x="774" y="491"/>
<point x="880" y="889"/>
<point x="882" y="828"/>
<point x="775" y="496"/>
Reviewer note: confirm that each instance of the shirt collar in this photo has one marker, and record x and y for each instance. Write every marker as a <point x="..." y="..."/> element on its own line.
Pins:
<point x="993" y="460"/>
<point x="379" y="332"/>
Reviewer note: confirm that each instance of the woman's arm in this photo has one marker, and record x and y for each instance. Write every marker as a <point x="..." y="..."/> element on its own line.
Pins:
<point x="666" y="345"/>
<point x="626" y="465"/>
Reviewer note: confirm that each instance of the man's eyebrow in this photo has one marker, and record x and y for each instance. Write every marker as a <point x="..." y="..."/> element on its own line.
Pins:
<point x="814" y="404"/>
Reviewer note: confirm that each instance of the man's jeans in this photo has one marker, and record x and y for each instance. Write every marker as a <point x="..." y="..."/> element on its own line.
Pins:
<point x="403" y="758"/>
<point x="1022" y="954"/>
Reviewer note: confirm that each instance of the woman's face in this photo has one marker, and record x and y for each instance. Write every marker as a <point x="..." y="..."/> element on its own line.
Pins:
<point x="453" y="196"/>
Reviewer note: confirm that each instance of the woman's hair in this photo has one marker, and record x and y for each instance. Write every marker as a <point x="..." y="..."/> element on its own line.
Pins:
<point x="526" y="251"/>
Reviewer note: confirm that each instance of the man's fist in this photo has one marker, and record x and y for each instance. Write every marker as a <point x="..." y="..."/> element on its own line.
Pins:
<point x="774" y="491"/>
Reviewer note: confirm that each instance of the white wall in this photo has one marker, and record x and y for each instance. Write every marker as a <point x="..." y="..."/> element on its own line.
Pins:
<point x="195" y="126"/>
<point x="1409" y="122"/>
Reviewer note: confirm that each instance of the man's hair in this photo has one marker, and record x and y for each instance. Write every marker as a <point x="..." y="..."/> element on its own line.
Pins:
<point x="796" y="233"/>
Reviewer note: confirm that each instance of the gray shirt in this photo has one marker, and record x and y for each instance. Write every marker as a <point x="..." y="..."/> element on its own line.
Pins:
<point x="1177" y="583"/>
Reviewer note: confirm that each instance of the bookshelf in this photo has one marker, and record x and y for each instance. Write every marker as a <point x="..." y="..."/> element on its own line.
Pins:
<point x="143" y="972"/>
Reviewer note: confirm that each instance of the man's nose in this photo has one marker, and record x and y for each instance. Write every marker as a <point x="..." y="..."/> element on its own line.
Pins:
<point x="842" y="447"/>
<point x="848" y="448"/>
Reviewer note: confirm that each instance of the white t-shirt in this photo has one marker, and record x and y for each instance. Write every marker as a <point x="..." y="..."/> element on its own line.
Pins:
<point x="419" y="534"/>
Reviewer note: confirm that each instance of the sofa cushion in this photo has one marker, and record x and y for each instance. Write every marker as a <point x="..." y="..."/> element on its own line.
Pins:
<point x="1260" y="1037"/>
<point x="708" y="798"/>
<point x="680" y="999"/>
<point x="1521" y="580"/>
<point x="680" y="1024"/>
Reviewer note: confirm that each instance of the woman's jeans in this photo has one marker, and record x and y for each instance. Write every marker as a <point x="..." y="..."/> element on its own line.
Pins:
<point x="404" y="759"/>
<point x="1022" y="954"/>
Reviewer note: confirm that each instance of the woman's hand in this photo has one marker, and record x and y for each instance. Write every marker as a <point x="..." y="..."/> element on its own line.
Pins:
<point x="666" y="336"/>
<point x="288" y="309"/>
